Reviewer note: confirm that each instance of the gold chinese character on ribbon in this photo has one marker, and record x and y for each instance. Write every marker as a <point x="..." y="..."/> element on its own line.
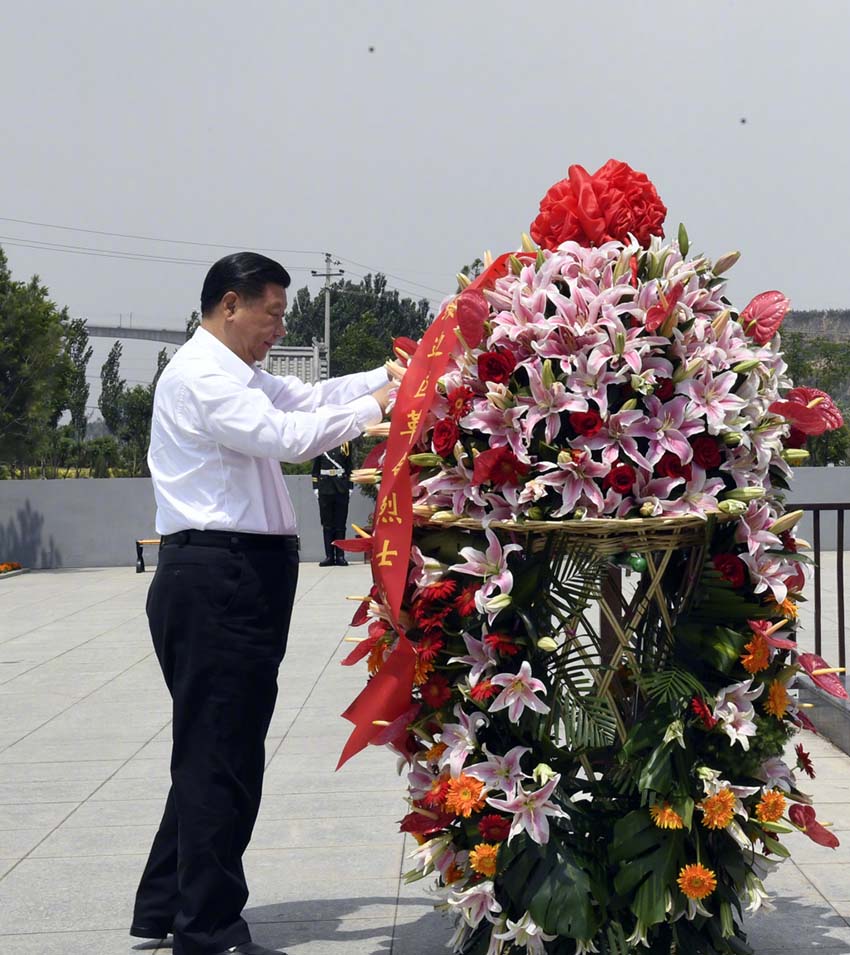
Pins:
<point x="385" y="554"/>
<point x="388" y="513"/>
<point x="412" y="421"/>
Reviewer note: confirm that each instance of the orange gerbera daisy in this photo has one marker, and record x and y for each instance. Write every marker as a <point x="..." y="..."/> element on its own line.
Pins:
<point x="452" y="874"/>
<point x="757" y="657"/>
<point x="696" y="881"/>
<point x="777" y="699"/>
<point x="717" y="810"/>
<point x="465" y="795"/>
<point x="665" y="816"/>
<point x="771" y="807"/>
<point x="422" y="669"/>
<point x="435" y="752"/>
<point x="483" y="859"/>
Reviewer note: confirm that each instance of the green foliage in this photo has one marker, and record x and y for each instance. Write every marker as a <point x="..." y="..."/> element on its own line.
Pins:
<point x="31" y="365"/>
<point x="112" y="385"/>
<point x="192" y="323"/>
<point x="365" y="318"/>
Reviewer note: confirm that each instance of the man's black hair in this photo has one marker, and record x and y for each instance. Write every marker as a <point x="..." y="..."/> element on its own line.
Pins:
<point x="246" y="273"/>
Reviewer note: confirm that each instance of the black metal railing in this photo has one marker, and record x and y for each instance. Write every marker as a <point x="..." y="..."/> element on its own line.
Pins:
<point x="816" y="510"/>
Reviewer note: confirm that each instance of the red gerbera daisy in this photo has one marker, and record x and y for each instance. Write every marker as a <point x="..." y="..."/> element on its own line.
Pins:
<point x="501" y="643"/>
<point x="703" y="713"/>
<point x="465" y="600"/>
<point x="804" y="761"/>
<point x="438" y="590"/>
<point x="429" y="616"/>
<point x="493" y="827"/>
<point x="460" y="401"/>
<point x="483" y="690"/>
<point x="436" y="691"/>
<point x="429" y="647"/>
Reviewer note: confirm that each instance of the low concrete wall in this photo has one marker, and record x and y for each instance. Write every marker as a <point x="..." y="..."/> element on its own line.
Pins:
<point x="93" y="523"/>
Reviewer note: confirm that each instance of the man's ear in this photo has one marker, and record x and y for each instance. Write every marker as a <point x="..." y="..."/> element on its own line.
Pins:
<point x="229" y="301"/>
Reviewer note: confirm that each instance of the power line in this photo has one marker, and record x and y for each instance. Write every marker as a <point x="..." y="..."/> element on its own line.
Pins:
<point x="150" y="238"/>
<point x="401" y="278"/>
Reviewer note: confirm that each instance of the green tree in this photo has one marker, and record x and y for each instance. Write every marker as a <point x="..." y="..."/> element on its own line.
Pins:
<point x="112" y="389"/>
<point x="78" y="351"/>
<point x="365" y="318"/>
<point x="192" y="322"/>
<point x="30" y="365"/>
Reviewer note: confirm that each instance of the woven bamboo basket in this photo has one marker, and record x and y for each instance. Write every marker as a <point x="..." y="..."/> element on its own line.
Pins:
<point x="604" y="537"/>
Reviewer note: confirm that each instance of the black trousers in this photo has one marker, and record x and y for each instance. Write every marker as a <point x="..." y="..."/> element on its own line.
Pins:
<point x="333" y="514"/>
<point x="219" y="619"/>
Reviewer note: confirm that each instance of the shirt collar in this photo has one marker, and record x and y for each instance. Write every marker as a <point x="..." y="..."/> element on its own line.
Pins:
<point x="223" y="356"/>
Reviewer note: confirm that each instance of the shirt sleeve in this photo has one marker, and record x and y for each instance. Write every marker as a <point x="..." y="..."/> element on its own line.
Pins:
<point x="288" y="393"/>
<point x="244" y="419"/>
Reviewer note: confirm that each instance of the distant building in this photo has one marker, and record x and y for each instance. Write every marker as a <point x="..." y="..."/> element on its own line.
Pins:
<point x="306" y="362"/>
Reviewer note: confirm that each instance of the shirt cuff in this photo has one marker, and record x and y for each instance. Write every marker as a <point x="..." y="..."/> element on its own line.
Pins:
<point x="377" y="378"/>
<point x="367" y="411"/>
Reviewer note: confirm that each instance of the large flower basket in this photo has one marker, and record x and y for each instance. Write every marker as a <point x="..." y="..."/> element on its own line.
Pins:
<point x="582" y="631"/>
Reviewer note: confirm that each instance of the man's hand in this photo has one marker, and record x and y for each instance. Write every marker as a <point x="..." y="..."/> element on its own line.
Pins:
<point x="382" y="395"/>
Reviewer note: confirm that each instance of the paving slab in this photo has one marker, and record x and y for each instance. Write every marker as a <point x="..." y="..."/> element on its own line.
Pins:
<point x="84" y="750"/>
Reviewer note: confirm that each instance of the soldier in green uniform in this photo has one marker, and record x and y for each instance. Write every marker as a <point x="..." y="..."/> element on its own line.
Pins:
<point x="332" y="486"/>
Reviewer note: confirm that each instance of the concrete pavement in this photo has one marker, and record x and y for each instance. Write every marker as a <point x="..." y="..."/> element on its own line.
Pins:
<point x="84" y="743"/>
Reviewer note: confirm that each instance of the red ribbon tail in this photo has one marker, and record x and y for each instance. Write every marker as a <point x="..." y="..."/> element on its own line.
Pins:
<point x="385" y="697"/>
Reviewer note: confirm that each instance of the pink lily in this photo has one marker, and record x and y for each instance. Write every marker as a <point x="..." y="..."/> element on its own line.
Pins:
<point x="500" y="772"/>
<point x="518" y="693"/>
<point x="531" y="810"/>
<point x="461" y="739"/>
<point x="475" y="903"/>
<point x="667" y="428"/>
<point x="491" y="565"/>
<point x="479" y="658"/>
<point x="711" y="397"/>
<point x="546" y="403"/>
<point x="527" y="934"/>
<point x="753" y="528"/>
<point x="575" y="480"/>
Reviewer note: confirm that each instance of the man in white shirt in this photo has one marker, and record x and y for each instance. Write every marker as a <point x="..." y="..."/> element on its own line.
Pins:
<point x="221" y="599"/>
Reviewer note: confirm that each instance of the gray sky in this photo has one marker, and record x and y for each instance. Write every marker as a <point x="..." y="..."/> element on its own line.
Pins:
<point x="270" y="125"/>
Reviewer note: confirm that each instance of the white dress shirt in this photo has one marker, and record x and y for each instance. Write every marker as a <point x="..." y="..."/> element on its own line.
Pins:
<point x="220" y="427"/>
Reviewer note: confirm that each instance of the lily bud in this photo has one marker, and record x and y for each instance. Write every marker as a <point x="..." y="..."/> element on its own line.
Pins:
<point x="795" y="456"/>
<point x="499" y="602"/>
<point x="425" y="460"/>
<point x="366" y="476"/>
<point x="744" y="366"/>
<point x="786" y="522"/>
<point x="488" y="258"/>
<point x="444" y="517"/>
<point x="535" y="513"/>
<point x="640" y="385"/>
<point x="516" y="265"/>
<point x="720" y="323"/>
<point x="725" y="262"/>
<point x="547" y="644"/>
<point x="647" y="509"/>
<point x="670" y="323"/>
<point x="629" y="405"/>
<point x="732" y="439"/>
<point x="580" y="513"/>
<point x="464" y="281"/>
<point x="688" y="371"/>
<point x="542" y="773"/>
<point x="684" y="241"/>
<point x="745" y="494"/>
<point x="548" y="376"/>
<point x="622" y="265"/>
<point x="528" y="244"/>
<point x="732" y="508"/>
<point x="620" y="342"/>
<point x="564" y="458"/>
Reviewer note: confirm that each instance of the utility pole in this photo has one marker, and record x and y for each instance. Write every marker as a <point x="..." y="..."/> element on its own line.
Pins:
<point x="328" y="275"/>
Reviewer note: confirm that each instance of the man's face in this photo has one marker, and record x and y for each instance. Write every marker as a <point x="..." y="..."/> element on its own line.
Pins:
<point x="254" y="325"/>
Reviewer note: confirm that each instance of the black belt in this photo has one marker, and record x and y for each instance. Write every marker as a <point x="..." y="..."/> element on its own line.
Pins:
<point x="235" y="540"/>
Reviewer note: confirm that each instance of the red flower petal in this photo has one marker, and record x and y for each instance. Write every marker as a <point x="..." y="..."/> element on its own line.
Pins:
<point x="825" y="406"/>
<point x="472" y="312"/>
<point x="364" y="648"/>
<point x="828" y="682"/>
<point x="373" y="458"/>
<point x="404" y="345"/>
<point x="425" y="825"/>
<point x="807" y="420"/>
<point x="804" y="818"/>
<point x="763" y="316"/>
<point x="355" y="545"/>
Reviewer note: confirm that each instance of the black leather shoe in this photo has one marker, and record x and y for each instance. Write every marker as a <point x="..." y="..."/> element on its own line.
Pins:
<point x="252" y="948"/>
<point x="341" y="562"/>
<point x="149" y="931"/>
<point x="327" y="562"/>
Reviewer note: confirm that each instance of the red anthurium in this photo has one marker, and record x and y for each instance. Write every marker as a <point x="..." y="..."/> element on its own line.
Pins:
<point x="425" y="825"/>
<point x="373" y="458"/>
<point x="404" y="347"/>
<point x="763" y="316"/>
<point x="355" y="545"/>
<point x="398" y="729"/>
<point x="364" y="648"/>
<point x="472" y="312"/>
<point x="764" y="627"/>
<point x="828" y="682"/>
<point x="658" y="314"/>
<point x="803" y="722"/>
<point x="809" y="410"/>
<point x="804" y="818"/>
<point x="361" y="614"/>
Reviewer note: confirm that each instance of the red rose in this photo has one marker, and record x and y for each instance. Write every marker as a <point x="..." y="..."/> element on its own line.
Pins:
<point x="496" y="366"/>
<point x="670" y="466"/>
<point x="796" y="438"/>
<point x="621" y="478"/>
<point x="586" y="423"/>
<point x="444" y="437"/>
<point x="498" y="467"/>
<point x="731" y="568"/>
<point x="706" y="451"/>
<point x="613" y="202"/>
<point x="664" y="389"/>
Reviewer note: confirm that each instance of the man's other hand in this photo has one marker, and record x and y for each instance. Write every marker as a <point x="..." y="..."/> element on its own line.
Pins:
<point x="382" y="395"/>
